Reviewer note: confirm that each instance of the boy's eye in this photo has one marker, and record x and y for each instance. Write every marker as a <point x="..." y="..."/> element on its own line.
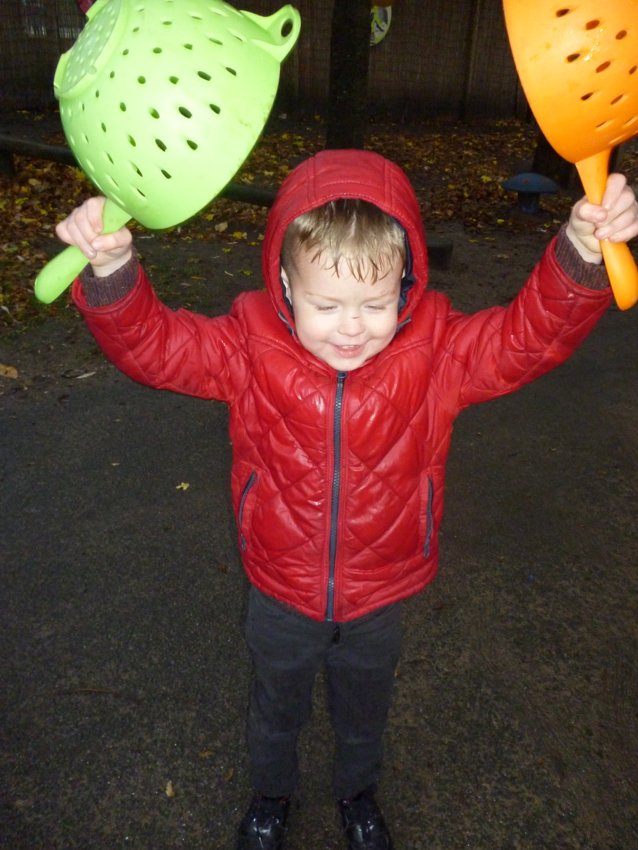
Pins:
<point x="376" y="307"/>
<point x="324" y="308"/>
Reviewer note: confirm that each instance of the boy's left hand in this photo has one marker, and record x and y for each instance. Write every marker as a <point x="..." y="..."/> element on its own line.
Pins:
<point x="615" y="219"/>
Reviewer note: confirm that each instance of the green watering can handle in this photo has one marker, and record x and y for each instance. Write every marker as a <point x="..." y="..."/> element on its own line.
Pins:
<point x="60" y="272"/>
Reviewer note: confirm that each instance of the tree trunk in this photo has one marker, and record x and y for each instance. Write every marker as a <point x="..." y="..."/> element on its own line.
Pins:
<point x="348" y="90"/>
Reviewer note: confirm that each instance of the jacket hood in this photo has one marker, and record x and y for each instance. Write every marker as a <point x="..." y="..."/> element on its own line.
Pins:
<point x="334" y="174"/>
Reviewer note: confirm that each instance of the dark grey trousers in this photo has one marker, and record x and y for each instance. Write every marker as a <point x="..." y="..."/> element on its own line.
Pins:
<point x="288" y="650"/>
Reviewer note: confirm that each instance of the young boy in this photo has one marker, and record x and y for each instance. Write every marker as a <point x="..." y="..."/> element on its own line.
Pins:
<point x="343" y="380"/>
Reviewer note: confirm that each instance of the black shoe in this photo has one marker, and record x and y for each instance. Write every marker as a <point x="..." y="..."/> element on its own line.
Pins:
<point x="264" y="825"/>
<point x="363" y="823"/>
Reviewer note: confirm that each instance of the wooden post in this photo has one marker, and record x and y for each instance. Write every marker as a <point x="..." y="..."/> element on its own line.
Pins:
<point x="348" y="90"/>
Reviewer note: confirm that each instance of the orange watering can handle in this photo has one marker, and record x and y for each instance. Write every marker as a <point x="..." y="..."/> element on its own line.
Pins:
<point x="622" y="271"/>
<point x="620" y="264"/>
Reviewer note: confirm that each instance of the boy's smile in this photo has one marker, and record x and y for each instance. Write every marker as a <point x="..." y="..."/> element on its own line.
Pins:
<point x="340" y="319"/>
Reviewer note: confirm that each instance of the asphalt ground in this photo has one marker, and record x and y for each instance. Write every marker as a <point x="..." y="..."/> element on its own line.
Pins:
<point x="125" y="676"/>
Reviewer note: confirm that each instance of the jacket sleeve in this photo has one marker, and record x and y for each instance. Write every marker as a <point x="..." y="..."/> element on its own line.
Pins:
<point x="498" y="350"/>
<point x="165" y="349"/>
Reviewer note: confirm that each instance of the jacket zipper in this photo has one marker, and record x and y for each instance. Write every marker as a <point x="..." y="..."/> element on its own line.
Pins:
<point x="336" y="493"/>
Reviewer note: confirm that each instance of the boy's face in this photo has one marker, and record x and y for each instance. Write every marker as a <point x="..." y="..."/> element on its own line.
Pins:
<point x="341" y="320"/>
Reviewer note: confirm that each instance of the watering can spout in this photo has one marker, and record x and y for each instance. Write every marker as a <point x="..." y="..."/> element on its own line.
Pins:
<point x="280" y="30"/>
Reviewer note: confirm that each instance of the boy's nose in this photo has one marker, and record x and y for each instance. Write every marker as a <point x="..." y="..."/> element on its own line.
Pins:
<point x="351" y="325"/>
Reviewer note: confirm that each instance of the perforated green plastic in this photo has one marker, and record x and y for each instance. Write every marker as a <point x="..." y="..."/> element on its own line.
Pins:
<point x="161" y="102"/>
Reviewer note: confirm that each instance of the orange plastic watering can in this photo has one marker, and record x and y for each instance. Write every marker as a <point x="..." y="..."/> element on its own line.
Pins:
<point x="578" y="65"/>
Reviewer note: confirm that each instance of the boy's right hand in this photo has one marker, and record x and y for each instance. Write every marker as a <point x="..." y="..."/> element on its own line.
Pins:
<point x="107" y="252"/>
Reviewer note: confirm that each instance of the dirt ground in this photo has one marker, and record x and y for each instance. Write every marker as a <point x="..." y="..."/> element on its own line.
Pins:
<point x="515" y="722"/>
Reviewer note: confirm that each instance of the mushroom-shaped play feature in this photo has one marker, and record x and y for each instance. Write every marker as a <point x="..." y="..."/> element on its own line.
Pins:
<point x="530" y="186"/>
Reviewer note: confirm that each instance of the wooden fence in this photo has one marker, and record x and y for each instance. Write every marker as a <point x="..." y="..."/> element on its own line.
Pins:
<point x="439" y="58"/>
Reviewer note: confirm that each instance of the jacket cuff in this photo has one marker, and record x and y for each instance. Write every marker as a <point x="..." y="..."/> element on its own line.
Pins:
<point x="102" y="291"/>
<point x="590" y="275"/>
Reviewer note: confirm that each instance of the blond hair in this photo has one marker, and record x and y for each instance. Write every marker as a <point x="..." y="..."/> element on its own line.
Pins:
<point x="348" y="229"/>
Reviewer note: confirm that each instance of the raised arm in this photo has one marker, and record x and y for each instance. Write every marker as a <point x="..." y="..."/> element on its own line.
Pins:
<point x="178" y="350"/>
<point x="502" y="348"/>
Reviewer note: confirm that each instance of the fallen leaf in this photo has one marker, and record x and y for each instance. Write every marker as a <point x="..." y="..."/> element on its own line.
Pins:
<point x="184" y="485"/>
<point x="8" y="371"/>
<point x="170" y="790"/>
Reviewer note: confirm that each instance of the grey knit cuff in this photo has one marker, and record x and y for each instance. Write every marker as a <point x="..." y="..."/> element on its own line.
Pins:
<point x="591" y="275"/>
<point x="103" y="291"/>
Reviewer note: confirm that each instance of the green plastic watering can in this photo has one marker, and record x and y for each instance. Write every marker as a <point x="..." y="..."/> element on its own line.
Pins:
<point x="161" y="102"/>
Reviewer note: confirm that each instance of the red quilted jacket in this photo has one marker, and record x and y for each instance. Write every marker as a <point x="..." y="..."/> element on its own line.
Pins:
<point x="337" y="479"/>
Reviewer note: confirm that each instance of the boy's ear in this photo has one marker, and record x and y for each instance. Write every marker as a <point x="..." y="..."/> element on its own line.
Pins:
<point x="285" y="284"/>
